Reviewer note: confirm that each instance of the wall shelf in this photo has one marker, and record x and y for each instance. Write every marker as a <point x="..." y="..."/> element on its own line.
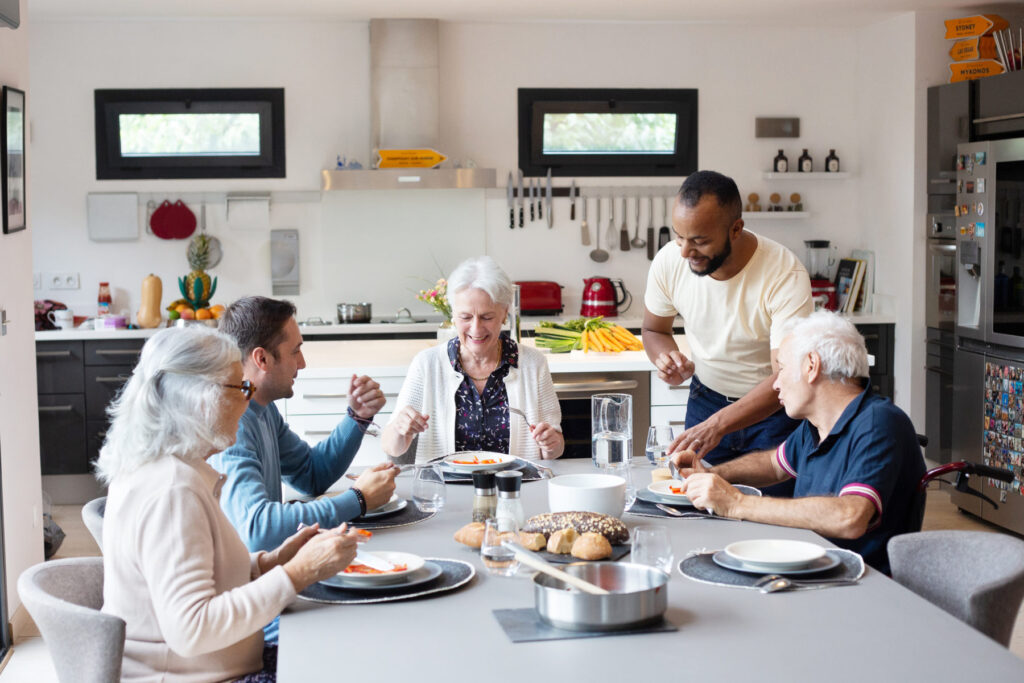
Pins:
<point x="775" y="215"/>
<point x="814" y="175"/>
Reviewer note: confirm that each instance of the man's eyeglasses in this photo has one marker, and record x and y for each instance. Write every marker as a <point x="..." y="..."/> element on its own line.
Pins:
<point x="246" y="387"/>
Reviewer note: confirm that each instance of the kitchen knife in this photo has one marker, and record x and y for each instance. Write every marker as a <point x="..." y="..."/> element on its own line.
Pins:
<point x="584" y="228"/>
<point x="540" y="199"/>
<point x="664" y="235"/>
<point x="624" y="232"/>
<point x="547" y="199"/>
<point x="650" y="228"/>
<point x="521" y="199"/>
<point x="510" y="193"/>
<point x="572" y="201"/>
<point x="533" y="199"/>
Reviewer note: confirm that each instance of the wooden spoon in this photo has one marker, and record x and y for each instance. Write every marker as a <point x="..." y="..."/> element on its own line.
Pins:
<point x="540" y="564"/>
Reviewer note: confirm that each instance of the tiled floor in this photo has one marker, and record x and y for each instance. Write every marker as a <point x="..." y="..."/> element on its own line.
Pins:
<point x="31" y="660"/>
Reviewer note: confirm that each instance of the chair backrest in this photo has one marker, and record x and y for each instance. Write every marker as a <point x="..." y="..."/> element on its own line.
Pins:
<point x="977" y="576"/>
<point x="92" y="515"/>
<point x="64" y="598"/>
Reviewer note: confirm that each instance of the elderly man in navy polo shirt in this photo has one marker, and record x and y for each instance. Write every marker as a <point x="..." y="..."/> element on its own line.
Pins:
<point x="855" y="456"/>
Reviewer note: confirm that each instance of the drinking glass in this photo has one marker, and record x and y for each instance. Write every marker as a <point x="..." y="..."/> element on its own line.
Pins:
<point x="611" y="428"/>
<point x="652" y="548"/>
<point x="498" y="559"/>
<point x="659" y="438"/>
<point x="624" y="469"/>
<point x="428" y="488"/>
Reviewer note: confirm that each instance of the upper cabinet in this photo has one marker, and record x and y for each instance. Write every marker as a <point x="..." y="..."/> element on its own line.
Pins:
<point x="949" y="124"/>
<point x="999" y="111"/>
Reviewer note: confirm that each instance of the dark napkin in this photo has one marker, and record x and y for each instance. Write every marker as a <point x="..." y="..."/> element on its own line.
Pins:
<point x="702" y="568"/>
<point x="454" y="574"/>
<point x="407" y="516"/>
<point x="525" y="626"/>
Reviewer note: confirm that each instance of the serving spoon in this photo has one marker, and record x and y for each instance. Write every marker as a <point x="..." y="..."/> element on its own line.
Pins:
<point x="773" y="583"/>
<point x="638" y="242"/>
<point x="598" y="254"/>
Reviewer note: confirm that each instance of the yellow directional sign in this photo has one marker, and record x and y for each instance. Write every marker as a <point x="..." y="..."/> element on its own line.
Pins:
<point x="409" y="158"/>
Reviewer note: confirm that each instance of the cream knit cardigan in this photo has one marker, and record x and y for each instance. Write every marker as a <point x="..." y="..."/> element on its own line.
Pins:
<point x="432" y="382"/>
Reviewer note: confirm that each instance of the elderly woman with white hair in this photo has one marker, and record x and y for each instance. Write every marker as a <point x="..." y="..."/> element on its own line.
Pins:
<point x="458" y="396"/>
<point x="194" y="600"/>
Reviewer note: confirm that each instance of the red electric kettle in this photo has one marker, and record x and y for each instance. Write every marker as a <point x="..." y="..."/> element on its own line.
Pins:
<point x="599" y="297"/>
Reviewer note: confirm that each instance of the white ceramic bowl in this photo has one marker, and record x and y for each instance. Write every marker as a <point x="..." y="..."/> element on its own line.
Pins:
<point x="604" y="493"/>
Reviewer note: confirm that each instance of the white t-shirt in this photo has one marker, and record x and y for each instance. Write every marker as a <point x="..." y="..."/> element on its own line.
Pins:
<point x="731" y="325"/>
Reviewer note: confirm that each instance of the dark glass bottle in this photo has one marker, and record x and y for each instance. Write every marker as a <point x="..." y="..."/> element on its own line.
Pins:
<point x="832" y="162"/>
<point x="803" y="164"/>
<point x="781" y="163"/>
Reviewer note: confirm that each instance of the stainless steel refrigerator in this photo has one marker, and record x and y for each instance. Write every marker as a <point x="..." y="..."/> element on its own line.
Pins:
<point x="988" y="381"/>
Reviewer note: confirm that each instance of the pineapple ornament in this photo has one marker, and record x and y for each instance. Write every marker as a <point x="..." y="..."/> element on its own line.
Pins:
<point x="203" y="252"/>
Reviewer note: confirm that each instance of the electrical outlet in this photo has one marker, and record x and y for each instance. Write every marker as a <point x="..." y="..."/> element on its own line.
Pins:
<point x="62" y="280"/>
<point x="37" y="280"/>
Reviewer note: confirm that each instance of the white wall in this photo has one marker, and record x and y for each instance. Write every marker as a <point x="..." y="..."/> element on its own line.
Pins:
<point x="19" y="425"/>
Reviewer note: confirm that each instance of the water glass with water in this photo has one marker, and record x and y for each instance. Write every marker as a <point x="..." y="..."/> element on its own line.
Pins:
<point x="428" y="488"/>
<point x="659" y="438"/>
<point x="652" y="548"/>
<point x="624" y="469"/>
<point x="498" y="559"/>
<point x="611" y="428"/>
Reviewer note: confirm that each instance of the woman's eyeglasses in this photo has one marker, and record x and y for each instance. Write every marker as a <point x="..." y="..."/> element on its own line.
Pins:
<point x="246" y="387"/>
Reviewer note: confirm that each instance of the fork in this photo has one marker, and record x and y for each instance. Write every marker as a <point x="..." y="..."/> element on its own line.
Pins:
<point x="522" y="415"/>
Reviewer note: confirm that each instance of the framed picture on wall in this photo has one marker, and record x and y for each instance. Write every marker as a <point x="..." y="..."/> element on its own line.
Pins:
<point x="12" y="149"/>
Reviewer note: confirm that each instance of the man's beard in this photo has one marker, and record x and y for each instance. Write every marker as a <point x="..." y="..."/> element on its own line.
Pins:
<point x="716" y="261"/>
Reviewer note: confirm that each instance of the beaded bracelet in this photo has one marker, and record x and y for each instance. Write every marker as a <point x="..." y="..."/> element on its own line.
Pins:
<point x="361" y="499"/>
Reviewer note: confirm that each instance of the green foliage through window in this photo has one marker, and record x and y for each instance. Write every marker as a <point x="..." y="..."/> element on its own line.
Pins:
<point x="189" y="134"/>
<point x="581" y="133"/>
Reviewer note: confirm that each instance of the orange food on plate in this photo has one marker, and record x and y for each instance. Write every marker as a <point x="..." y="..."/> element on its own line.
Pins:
<point x="675" y="489"/>
<point x="363" y="569"/>
<point x="475" y="461"/>
<point x="364" y="533"/>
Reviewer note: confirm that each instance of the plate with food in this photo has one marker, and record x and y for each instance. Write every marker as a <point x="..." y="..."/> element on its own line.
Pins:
<point x="394" y="505"/>
<point x="473" y="461"/>
<point x="425" y="574"/>
<point x="772" y="555"/>
<point x="357" y="574"/>
<point x="669" y="491"/>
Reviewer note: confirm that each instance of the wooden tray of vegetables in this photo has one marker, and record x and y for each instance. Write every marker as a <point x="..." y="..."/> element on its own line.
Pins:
<point x="585" y="334"/>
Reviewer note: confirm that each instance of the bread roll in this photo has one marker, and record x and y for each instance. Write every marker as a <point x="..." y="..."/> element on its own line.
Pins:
<point x="660" y="474"/>
<point x="532" y="541"/>
<point x="472" y="534"/>
<point x="610" y="527"/>
<point x="591" y="546"/>
<point x="561" y="541"/>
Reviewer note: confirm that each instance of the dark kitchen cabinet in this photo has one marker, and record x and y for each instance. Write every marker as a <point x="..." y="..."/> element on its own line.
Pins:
<point x="999" y="109"/>
<point x="880" y="342"/>
<point x="76" y="382"/>
<point x="949" y="124"/>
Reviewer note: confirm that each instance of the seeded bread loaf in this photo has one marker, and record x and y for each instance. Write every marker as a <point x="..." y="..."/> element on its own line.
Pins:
<point x="548" y="523"/>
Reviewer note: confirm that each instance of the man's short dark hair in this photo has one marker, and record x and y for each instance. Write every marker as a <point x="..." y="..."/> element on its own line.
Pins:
<point x="257" y="322"/>
<point x="722" y="187"/>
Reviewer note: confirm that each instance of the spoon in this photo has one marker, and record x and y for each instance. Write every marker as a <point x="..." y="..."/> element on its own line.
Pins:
<point x="637" y="241"/>
<point x="534" y="561"/>
<point x="624" y="233"/>
<point x="774" y="583"/>
<point x="609" y="236"/>
<point x="598" y="254"/>
<point x="672" y="512"/>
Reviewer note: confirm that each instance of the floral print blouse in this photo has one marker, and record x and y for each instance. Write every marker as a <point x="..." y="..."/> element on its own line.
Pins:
<point x="482" y="420"/>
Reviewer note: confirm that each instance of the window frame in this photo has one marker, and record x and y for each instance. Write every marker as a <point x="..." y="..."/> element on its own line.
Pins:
<point x="267" y="102"/>
<point x="535" y="102"/>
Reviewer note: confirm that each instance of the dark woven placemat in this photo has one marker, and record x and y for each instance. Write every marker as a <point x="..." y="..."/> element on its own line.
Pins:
<point x="645" y="508"/>
<point x="455" y="574"/>
<point x="407" y="516"/>
<point x="530" y="473"/>
<point x="701" y="568"/>
<point x="524" y="625"/>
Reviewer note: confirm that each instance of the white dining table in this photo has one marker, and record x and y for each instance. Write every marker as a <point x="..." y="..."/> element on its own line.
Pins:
<point x="876" y="630"/>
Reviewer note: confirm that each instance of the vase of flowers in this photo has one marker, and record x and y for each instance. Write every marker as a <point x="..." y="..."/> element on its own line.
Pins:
<point x="437" y="297"/>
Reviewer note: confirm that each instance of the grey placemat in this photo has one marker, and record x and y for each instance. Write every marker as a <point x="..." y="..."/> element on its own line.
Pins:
<point x="530" y="473"/>
<point x="701" y="568"/>
<point x="407" y="516"/>
<point x="524" y="625"/>
<point x="644" y="508"/>
<point x="455" y="574"/>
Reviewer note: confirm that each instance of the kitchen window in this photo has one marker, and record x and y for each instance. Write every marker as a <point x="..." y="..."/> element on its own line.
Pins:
<point x="196" y="133"/>
<point x="607" y="132"/>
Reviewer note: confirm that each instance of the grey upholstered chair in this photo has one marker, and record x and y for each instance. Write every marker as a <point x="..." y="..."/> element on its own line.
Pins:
<point x="92" y="515"/>
<point x="976" y="576"/>
<point x="64" y="598"/>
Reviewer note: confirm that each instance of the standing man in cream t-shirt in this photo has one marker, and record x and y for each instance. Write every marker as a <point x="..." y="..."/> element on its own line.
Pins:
<point x="733" y="290"/>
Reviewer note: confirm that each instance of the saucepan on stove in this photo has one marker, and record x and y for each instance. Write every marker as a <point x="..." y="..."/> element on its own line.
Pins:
<point x="638" y="597"/>
<point x="354" y="313"/>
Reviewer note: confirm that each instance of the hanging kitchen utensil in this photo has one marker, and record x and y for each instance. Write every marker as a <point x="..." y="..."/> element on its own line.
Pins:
<point x="612" y="234"/>
<point x="574" y="192"/>
<point x="510" y="195"/>
<point x="533" y="199"/>
<point x="213" y="244"/>
<point x="522" y="198"/>
<point x="173" y="221"/>
<point x="624" y="231"/>
<point x="598" y="254"/>
<point x="547" y="200"/>
<point x="637" y="242"/>
<point x="650" y="228"/>
<point x="664" y="234"/>
<point x="584" y="228"/>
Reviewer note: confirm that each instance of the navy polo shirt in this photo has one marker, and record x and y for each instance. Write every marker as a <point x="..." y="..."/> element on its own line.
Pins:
<point x="872" y="451"/>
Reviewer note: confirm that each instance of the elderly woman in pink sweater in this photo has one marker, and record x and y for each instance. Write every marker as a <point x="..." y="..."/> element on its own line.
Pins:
<point x="193" y="598"/>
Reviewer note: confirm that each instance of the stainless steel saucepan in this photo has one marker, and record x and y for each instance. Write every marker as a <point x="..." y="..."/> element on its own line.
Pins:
<point x="354" y="313"/>
<point x="638" y="597"/>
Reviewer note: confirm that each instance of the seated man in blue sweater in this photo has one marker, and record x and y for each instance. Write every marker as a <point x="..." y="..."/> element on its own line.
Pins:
<point x="855" y="456"/>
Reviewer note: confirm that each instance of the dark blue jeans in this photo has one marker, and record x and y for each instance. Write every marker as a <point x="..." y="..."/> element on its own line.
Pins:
<point x="768" y="433"/>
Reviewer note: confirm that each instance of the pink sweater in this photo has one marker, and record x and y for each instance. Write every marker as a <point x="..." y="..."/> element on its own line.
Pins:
<point x="176" y="571"/>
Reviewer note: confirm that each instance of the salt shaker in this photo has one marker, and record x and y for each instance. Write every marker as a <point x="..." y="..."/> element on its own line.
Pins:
<point x="509" y="503"/>
<point x="485" y="500"/>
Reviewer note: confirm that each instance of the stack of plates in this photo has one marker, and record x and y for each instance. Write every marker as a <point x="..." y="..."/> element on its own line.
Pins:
<point x="775" y="556"/>
<point x="418" y="571"/>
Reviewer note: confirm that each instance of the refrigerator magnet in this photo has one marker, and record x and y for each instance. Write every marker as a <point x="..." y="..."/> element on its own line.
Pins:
<point x="981" y="209"/>
<point x="960" y="160"/>
<point x="979" y="158"/>
<point x="959" y="187"/>
<point x="970" y="187"/>
<point x="981" y="185"/>
<point x="979" y="229"/>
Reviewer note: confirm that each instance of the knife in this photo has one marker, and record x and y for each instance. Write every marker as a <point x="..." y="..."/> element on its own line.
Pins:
<point x="510" y="193"/>
<point x="533" y="199"/>
<point x="540" y="200"/>
<point x="547" y="199"/>
<point x="573" y="193"/>
<point x="521" y="199"/>
<point x="372" y="561"/>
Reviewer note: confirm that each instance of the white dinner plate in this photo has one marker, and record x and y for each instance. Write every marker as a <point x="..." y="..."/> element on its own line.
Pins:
<point x="662" y="491"/>
<point x="427" y="573"/>
<point x="461" y="461"/>
<point x="392" y="506"/>
<point x="769" y="554"/>
<point x="412" y="563"/>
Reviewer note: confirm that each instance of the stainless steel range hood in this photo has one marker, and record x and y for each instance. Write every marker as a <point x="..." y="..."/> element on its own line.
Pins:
<point x="405" y="110"/>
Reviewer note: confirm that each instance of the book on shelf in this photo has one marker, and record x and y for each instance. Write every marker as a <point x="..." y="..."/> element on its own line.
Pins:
<point x="856" y="288"/>
<point x="845" y="276"/>
<point x="867" y="290"/>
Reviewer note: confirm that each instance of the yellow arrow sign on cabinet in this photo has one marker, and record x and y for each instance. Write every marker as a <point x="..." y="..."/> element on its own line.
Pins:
<point x="409" y="158"/>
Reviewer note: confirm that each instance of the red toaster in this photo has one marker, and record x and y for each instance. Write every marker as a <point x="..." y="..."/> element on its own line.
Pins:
<point x="540" y="298"/>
